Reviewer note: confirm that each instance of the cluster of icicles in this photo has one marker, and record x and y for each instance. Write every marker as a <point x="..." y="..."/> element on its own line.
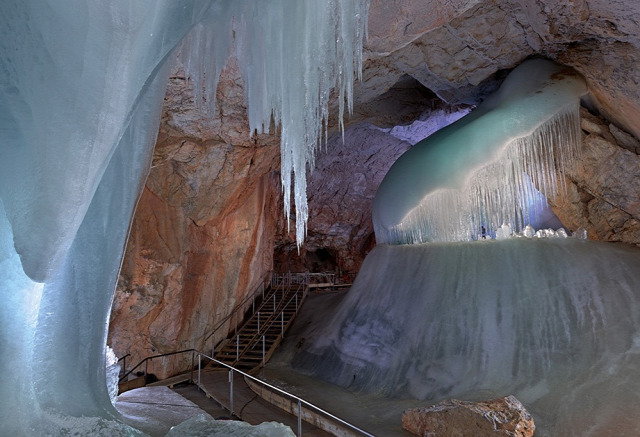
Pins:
<point x="291" y="54"/>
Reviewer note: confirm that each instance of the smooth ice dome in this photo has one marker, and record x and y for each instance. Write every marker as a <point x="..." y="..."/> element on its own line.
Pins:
<point x="482" y="169"/>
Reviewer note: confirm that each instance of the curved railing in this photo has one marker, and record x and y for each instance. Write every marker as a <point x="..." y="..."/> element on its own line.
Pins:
<point x="300" y="402"/>
<point x="148" y="359"/>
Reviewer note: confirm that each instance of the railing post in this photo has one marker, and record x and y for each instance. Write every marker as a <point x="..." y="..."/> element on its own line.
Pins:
<point x="236" y="331"/>
<point x="213" y="345"/>
<point x="282" y="323"/>
<point x="274" y="302"/>
<point x="199" y="364"/>
<point x="231" y="392"/>
<point x="296" y="301"/>
<point x="258" y="322"/>
<point x="192" y="363"/>
<point x="299" y="418"/>
<point x="237" y="347"/>
<point x="263" y="363"/>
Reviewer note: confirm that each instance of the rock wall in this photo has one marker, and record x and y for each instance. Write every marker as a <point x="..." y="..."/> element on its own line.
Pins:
<point x="203" y="234"/>
<point x="603" y="188"/>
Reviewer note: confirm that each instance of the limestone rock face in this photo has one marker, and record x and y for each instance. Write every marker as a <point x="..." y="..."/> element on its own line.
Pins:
<point x="603" y="188"/>
<point x="459" y="48"/>
<point x="497" y="417"/>
<point x="203" y="233"/>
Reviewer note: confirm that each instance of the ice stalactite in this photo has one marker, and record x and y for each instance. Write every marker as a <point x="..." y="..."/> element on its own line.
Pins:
<point x="489" y="167"/>
<point x="291" y="55"/>
<point x="81" y="92"/>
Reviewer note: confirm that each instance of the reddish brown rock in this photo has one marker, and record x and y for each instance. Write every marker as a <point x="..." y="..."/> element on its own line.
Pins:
<point x="203" y="234"/>
<point x="497" y="417"/>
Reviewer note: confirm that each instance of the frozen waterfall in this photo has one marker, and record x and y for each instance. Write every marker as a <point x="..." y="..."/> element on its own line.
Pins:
<point x="555" y="322"/>
<point x="81" y="91"/>
<point x="485" y="169"/>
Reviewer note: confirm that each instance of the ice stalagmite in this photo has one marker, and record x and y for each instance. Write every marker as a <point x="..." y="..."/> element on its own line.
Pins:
<point x="81" y="89"/>
<point x="475" y="172"/>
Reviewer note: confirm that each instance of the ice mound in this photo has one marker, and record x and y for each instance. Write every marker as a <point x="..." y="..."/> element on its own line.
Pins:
<point x="553" y="321"/>
<point x="493" y="166"/>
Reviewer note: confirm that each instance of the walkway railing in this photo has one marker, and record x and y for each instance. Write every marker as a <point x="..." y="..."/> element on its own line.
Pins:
<point x="289" y="279"/>
<point x="275" y="315"/>
<point x="241" y="307"/>
<point x="300" y="402"/>
<point x="147" y="360"/>
<point x="232" y="371"/>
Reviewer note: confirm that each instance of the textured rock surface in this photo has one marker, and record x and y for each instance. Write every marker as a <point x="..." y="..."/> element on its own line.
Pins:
<point x="497" y="417"/>
<point x="603" y="189"/>
<point x="203" y="233"/>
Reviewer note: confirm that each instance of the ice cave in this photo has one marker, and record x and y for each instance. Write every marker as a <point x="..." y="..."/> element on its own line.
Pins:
<point x="475" y="166"/>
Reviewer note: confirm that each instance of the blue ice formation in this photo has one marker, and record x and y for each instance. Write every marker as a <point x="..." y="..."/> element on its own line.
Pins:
<point x="81" y="89"/>
<point x="553" y="321"/>
<point x="485" y="169"/>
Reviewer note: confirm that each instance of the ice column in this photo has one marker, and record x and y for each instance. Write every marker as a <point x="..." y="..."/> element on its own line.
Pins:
<point x="482" y="169"/>
<point x="81" y="88"/>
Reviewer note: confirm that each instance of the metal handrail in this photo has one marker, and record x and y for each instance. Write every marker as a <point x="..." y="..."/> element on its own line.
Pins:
<point x="123" y="369"/>
<point x="259" y="289"/>
<point x="300" y="401"/>
<point x="232" y="369"/>
<point x="263" y="328"/>
<point x="146" y="360"/>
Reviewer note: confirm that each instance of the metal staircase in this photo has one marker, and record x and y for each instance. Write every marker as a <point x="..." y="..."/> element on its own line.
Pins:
<point x="252" y="343"/>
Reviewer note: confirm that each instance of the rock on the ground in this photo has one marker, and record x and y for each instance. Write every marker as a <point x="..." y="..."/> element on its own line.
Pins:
<point x="497" y="417"/>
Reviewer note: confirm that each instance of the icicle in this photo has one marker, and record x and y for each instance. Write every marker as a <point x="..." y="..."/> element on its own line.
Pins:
<point x="291" y="54"/>
<point x="492" y="167"/>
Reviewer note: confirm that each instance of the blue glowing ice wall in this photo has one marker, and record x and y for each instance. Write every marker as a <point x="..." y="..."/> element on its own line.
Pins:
<point x="475" y="172"/>
<point x="81" y="88"/>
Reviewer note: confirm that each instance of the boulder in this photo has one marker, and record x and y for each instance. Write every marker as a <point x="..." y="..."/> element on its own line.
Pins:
<point x="497" y="417"/>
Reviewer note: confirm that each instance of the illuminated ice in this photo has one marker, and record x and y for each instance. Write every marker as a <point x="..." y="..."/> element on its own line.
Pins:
<point x="475" y="172"/>
<point x="204" y="426"/>
<point x="553" y="321"/>
<point x="81" y="92"/>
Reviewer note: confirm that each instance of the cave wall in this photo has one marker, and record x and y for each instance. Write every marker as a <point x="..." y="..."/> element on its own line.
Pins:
<point x="203" y="234"/>
<point x="211" y="212"/>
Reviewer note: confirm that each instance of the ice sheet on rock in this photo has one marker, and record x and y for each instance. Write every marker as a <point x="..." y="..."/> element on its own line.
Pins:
<point x="475" y="172"/>
<point x="113" y="374"/>
<point x="204" y="425"/>
<point x="556" y="322"/>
